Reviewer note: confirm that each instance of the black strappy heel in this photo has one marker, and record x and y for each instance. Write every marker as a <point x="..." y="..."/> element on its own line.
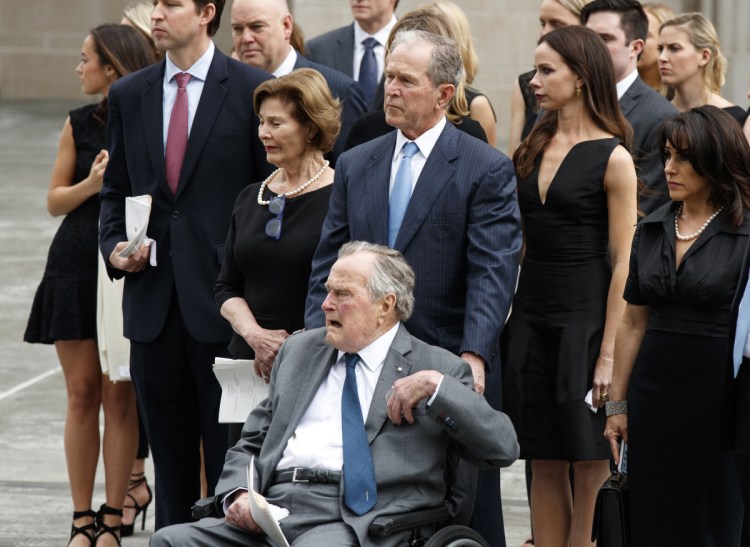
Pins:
<point x="84" y="530"/>
<point x="102" y="528"/>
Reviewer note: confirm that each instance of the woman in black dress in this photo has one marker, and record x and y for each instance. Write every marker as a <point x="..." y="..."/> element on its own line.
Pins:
<point x="577" y="191"/>
<point x="276" y="223"/>
<point x="64" y="308"/>
<point x="671" y="391"/>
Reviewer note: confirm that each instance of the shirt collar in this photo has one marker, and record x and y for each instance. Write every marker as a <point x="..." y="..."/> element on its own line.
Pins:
<point x="381" y="36"/>
<point x="624" y="84"/>
<point x="426" y="141"/>
<point x="373" y="355"/>
<point x="287" y="65"/>
<point x="199" y="69"/>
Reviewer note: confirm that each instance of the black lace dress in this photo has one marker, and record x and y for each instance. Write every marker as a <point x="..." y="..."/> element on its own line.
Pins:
<point x="64" y="306"/>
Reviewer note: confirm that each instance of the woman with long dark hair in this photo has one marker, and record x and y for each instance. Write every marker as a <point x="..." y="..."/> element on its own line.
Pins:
<point x="577" y="191"/>
<point x="64" y="308"/>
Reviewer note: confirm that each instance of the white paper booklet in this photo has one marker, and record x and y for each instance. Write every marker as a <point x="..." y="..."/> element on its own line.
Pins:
<point x="137" y="212"/>
<point x="241" y="389"/>
<point x="265" y="515"/>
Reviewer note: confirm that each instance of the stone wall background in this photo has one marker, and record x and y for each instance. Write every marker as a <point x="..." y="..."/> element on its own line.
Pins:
<point x="40" y="42"/>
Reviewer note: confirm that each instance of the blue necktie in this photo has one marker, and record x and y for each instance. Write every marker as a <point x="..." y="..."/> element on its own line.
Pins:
<point x="368" y="70"/>
<point x="740" y="334"/>
<point x="401" y="193"/>
<point x="360" y="489"/>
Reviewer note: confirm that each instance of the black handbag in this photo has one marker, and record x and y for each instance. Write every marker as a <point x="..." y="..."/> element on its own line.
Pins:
<point x="611" y="526"/>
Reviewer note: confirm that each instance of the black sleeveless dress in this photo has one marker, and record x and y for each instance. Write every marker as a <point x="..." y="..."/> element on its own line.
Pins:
<point x="554" y="333"/>
<point x="64" y="306"/>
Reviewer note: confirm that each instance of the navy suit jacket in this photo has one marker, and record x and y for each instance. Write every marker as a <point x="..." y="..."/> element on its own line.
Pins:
<point x="335" y="49"/>
<point x="461" y="234"/>
<point x="645" y="109"/>
<point x="345" y="90"/>
<point x="223" y="156"/>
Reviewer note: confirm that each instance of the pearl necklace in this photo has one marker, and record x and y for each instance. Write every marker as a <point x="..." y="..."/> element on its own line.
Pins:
<point x="700" y="230"/>
<point x="300" y="188"/>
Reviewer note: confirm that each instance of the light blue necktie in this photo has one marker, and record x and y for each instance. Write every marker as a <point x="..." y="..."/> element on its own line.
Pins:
<point x="401" y="193"/>
<point x="368" y="70"/>
<point x="740" y="334"/>
<point x="360" y="489"/>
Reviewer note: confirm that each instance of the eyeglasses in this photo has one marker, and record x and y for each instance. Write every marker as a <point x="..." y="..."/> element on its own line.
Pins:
<point x="276" y="207"/>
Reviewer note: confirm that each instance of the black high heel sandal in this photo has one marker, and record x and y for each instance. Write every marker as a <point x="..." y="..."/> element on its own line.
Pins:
<point x="84" y="530"/>
<point x="102" y="528"/>
<point x="140" y="478"/>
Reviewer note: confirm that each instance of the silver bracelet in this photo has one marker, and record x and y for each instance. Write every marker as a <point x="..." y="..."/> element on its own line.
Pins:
<point x="616" y="407"/>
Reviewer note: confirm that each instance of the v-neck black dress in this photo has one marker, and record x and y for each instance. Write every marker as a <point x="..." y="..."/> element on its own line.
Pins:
<point x="683" y="486"/>
<point x="554" y="333"/>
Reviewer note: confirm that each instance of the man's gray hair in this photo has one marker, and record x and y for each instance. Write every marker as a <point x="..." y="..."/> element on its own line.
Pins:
<point x="391" y="274"/>
<point x="446" y="66"/>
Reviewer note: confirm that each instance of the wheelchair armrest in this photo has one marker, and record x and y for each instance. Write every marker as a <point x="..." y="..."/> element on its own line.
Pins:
<point x="385" y="525"/>
<point x="206" y="507"/>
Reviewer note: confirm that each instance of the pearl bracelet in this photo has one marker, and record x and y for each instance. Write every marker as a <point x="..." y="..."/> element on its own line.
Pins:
<point x="616" y="407"/>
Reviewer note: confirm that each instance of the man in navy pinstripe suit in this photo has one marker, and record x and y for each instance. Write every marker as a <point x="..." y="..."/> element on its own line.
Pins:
<point x="461" y="230"/>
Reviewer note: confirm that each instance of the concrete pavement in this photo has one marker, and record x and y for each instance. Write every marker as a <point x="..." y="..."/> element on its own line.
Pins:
<point x="35" y="506"/>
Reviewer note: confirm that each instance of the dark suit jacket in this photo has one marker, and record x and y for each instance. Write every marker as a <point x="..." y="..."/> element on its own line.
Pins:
<point x="645" y="109"/>
<point x="223" y="156"/>
<point x="373" y="125"/>
<point x="461" y="234"/>
<point x="335" y="49"/>
<point x="345" y="90"/>
<point x="409" y="460"/>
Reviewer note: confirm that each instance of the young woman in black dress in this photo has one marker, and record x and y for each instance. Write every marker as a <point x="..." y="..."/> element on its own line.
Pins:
<point x="577" y="190"/>
<point x="64" y="309"/>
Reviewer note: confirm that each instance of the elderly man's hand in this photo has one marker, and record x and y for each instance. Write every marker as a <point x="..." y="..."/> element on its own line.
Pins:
<point x="408" y="392"/>
<point x="239" y="515"/>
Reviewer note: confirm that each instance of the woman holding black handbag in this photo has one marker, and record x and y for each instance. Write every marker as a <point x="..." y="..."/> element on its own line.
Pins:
<point x="671" y="391"/>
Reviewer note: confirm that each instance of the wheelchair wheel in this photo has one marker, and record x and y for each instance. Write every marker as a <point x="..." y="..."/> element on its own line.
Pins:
<point x="456" y="536"/>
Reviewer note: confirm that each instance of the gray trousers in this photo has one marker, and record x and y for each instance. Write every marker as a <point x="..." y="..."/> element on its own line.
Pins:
<point x="314" y="521"/>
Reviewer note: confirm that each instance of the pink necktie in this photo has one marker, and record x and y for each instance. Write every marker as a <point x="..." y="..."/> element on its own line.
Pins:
<point x="177" y="136"/>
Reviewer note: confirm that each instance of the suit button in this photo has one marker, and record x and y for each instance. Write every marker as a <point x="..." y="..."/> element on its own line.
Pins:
<point x="175" y="214"/>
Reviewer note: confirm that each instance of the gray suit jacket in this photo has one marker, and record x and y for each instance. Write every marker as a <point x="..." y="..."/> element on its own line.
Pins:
<point x="409" y="460"/>
<point x="645" y="109"/>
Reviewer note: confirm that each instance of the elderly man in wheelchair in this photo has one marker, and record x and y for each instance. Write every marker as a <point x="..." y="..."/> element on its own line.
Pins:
<point x="345" y="480"/>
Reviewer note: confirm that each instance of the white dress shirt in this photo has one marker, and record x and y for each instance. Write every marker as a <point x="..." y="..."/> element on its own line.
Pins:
<point x="359" y="50"/>
<point x="198" y="73"/>
<point x="317" y="440"/>
<point x="624" y="84"/>
<point x="426" y="142"/>
<point x="287" y="65"/>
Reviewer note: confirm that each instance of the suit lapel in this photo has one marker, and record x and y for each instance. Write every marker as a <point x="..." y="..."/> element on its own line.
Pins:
<point x="208" y="109"/>
<point x="396" y="366"/>
<point x="377" y="176"/>
<point x="437" y="173"/>
<point x="344" y="52"/>
<point x="152" y="98"/>
<point x="630" y="97"/>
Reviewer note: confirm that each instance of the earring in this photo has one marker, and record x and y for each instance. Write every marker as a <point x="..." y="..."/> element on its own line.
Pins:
<point x="578" y="92"/>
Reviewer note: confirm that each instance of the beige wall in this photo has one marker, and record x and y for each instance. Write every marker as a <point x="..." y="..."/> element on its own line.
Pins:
<point x="40" y="41"/>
